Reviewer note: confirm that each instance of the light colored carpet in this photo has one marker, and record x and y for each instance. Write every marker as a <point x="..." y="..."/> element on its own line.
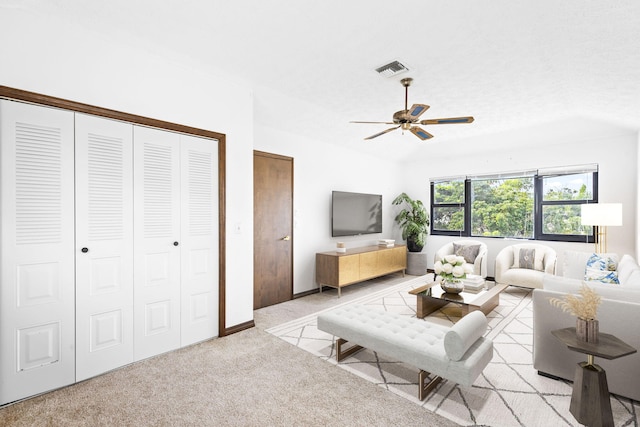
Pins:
<point x="508" y="393"/>
<point x="250" y="378"/>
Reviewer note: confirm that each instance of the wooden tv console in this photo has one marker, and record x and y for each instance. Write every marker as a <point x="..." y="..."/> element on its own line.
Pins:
<point x="337" y="269"/>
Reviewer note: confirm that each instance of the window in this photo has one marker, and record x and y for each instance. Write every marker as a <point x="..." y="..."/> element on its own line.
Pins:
<point x="448" y="207"/>
<point x="502" y="207"/>
<point x="542" y="204"/>
<point x="558" y="201"/>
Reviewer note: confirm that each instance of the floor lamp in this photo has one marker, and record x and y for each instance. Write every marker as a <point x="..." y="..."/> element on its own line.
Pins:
<point x="601" y="215"/>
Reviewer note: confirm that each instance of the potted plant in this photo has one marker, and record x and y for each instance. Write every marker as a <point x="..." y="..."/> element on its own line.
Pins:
<point x="414" y="222"/>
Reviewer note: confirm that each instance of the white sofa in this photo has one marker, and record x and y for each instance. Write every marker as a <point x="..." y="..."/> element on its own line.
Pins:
<point x="506" y="273"/>
<point x="618" y="314"/>
<point x="479" y="262"/>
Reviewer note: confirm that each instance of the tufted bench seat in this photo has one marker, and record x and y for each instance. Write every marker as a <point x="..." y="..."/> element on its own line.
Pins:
<point x="458" y="353"/>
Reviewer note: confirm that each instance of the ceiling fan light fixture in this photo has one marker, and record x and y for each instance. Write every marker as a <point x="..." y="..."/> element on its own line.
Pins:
<point x="392" y="69"/>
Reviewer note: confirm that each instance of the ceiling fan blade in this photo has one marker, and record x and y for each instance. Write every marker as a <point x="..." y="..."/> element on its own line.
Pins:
<point x="420" y="133"/>
<point x="382" y="133"/>
<point x="417" y="110"/>
<point x="381" y="123"/>
<point x="449" y="121"/>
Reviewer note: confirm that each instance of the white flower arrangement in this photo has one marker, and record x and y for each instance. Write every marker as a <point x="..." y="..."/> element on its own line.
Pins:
<point x="452" y="268"/>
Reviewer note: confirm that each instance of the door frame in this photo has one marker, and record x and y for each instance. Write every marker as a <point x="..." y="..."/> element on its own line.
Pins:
<point x="50" y="101"/>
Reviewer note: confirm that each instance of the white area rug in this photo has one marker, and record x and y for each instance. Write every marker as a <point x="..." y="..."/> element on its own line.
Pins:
<point x="508" y="393"/>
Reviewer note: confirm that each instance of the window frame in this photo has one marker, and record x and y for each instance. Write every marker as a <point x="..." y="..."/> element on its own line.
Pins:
<point x="467" y="220"/>
<point x="538" y="204"/>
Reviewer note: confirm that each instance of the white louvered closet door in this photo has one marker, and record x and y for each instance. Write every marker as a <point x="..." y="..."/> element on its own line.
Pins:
<point x="156" y="157"/>
<point x="199" y="234"/>
<point x="104" y="245"/>
<point x="37" y="351"/>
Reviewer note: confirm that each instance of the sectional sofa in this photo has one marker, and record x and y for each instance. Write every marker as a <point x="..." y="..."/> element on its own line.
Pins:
<point x="618" y="314"/>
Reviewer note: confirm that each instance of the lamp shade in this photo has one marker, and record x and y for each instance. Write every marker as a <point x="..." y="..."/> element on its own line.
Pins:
<point x="601" y="214"/>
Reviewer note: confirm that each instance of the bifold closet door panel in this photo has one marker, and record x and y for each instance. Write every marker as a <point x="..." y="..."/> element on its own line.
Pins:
<point x="37" y="343"/>
<point x="156" y="158"/>
<point x="104" y="245"/>
<point x="199" y="234"/>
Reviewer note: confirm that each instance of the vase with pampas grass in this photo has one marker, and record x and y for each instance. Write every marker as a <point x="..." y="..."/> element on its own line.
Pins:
<point x="584" y="308"/>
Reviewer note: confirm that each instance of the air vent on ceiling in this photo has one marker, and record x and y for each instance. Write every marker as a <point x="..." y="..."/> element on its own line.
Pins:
<point x="392" y="69"/>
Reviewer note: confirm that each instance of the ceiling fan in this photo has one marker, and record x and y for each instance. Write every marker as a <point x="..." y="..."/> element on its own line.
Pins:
<point x="407" y="119"/>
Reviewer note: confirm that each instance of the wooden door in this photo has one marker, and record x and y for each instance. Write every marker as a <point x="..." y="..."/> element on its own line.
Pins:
<point x="156" y="239"/>
<point x="104" y="245"/>
<point x="272" y="229"/>
<point x="37" y="302"/>
<point x="199" y="239"/>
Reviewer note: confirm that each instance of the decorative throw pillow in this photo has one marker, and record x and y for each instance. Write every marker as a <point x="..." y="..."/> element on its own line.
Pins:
<point x="527" y="257"/>
<point x="468" y="252"/>
<point x="603" y="262"/>
<point x="603" y="276"/>
<point x="602" y="268"/>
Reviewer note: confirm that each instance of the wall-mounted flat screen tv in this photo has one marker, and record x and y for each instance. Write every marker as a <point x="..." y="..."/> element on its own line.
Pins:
<point x="355" y="213"/>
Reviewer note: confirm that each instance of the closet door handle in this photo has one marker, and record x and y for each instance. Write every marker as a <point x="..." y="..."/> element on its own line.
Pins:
<point x="175" y="243"/>
<point x="84" y="250"/>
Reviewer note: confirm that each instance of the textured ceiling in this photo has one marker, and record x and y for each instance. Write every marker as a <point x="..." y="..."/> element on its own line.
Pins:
<point x="510" y="64"/>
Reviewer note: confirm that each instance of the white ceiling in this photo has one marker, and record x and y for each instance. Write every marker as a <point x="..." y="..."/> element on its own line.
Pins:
<point x="510" y="64"/>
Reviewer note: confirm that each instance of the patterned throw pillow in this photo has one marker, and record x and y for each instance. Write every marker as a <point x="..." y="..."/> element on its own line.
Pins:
<point x="525" y="258"/>
<point x="535" y="255"/>
<point x="469" y="252"/>
<point x="602" y="268"/>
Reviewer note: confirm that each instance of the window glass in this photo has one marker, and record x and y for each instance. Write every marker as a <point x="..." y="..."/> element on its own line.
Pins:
<point x="568" y="187"/>
<point x="448" y="218"/>
<point x="448" y="192"/>
<point x="502" y="207"/>
<point x="564" y="220"/>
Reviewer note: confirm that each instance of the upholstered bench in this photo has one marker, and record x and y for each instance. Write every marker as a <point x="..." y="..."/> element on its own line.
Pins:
<point x="458" y="353"/>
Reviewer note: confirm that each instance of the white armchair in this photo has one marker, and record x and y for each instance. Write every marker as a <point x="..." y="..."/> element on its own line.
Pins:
<point x="474" y="251"/>
<point x="525" y="265"/>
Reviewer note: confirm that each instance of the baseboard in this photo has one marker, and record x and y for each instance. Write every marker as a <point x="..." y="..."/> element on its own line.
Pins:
<point x="238" y="328"/>
<point x="553" y="377"/>
<point x="311" y="292"/>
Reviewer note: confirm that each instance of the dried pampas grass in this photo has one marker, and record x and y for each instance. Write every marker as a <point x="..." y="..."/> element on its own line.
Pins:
<point x="584" y="307"/>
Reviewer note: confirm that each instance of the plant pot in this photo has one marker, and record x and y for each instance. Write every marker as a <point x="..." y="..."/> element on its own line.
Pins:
<point x="587" y="330"/>
<point x="412" y="246"/>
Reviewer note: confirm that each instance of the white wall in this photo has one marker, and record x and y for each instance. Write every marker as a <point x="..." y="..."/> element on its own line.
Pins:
<point x="570" y="142"/>
<point x="319" y="168"/>
<point x="48" y="54"/>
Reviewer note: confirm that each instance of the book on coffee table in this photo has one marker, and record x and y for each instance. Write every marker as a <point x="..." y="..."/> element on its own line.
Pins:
<point x="473" y="283"/>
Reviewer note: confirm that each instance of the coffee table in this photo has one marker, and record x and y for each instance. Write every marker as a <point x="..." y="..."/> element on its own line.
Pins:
<point x="431" y="297"/>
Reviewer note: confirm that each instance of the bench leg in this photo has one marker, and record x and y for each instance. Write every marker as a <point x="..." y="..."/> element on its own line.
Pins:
<point x="425" y="389"/>
<point x="340" y="354"/>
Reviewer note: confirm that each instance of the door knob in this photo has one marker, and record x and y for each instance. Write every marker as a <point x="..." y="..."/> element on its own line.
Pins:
<point x="175" y="243"/>
<point x="84" y="250"/>
<point x="286" y="238"/>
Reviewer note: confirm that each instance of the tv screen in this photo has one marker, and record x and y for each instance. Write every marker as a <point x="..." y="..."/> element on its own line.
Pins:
<point x="355" y="213"/>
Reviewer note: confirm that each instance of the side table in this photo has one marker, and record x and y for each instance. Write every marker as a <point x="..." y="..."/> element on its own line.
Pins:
<point x="590" y="400"/>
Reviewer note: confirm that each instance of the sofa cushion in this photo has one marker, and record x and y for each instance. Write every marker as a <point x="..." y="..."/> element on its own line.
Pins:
<point x="574" y="264"/>
<point x="468" y="252"/>
<point x="602" y="268"/>
<point x="523" y="277"/>
<point x="626" y="269"/>
<point x="526" y="256"/>
<point x="605" y="290"/>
